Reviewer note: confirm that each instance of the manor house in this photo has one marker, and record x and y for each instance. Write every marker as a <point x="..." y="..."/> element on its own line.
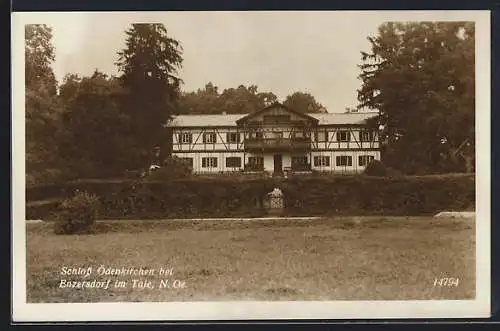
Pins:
<point x="275" y="139"/>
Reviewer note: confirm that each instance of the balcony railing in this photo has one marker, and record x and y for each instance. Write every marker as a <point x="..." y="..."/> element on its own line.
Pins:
<point x="277" y="144"/>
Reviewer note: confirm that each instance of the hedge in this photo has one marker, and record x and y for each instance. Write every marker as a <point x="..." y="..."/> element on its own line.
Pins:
<point x="312" y="196"/>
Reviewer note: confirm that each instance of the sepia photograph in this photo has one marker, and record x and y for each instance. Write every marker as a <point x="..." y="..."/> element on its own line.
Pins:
<point x="251" y="165"/>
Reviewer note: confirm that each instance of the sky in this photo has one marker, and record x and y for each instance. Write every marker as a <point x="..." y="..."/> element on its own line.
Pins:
<point x="281" y="52"/>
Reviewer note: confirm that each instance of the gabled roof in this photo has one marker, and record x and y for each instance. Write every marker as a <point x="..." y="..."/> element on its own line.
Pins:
<point x="205" y="120"/>
<point x="343" y="118"/>
<point x="221" y="120"/>
<point x="280" y="105"/>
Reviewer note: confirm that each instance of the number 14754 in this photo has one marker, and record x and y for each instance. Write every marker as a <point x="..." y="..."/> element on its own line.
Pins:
<point x="446" y="281"/>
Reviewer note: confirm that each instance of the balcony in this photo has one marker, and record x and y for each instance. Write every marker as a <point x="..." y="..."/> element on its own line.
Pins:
<point x="277" y="144"/>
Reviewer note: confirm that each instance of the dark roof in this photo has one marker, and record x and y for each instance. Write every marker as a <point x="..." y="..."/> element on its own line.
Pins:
<point x="277" y="104"/>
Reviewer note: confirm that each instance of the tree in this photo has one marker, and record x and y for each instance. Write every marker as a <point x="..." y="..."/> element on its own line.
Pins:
<point x="244" y="100"/>
<point x="240" y="100"/>
<point x="39" y="55"/>
<point x="304" y="103"/>
<point x="420" y="76"/>
<point x="201" y="101"/>
<point x="148" y="67"/>
<point x="41" y="104"/>
<point x="96" y="136"/>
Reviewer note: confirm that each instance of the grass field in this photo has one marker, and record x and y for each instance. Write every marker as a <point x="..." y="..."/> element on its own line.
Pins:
<point x="368" y="258"/>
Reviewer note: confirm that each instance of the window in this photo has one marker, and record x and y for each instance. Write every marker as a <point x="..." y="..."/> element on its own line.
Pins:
<point x="343" y="136"/>
<point x="344" y="160"/>
<point x="321" y="136"/>
<point x="256" y="160"/>
<point x="187" y="161"/>
<point x="321" y="161"/>
<point x="233" y="162"/>
<point x="233" y="137"/>
<point x="185" y="138"/>
<point x="299" y="160"/>
<point x="209" y="138"/>
<point x="209" y="162"/>
<point x="365" y="135"/>
<point x="363" y="160"/>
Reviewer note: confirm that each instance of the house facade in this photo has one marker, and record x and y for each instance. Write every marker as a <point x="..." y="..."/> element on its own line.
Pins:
<point x="275" y="139"/>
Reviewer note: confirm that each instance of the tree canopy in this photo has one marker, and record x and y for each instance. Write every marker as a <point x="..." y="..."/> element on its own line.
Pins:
<point x="420" y="76"/>
<point x="39" y="55"/>
<point x="42" y="107"/>
<point x="304" y="103"/>
<point x="238" y="100"/>
<point x="149" y="73"/>
<point x="241" y="100"/>
<point x="96" y="135"/>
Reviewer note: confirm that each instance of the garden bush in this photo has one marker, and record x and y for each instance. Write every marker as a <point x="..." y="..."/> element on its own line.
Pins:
<point x="379" y="169"/>
<point x="376" y="168"/>
<point x="241" y="197"/>
<point x="172" y="168"/>
<point x="77" y="214"/>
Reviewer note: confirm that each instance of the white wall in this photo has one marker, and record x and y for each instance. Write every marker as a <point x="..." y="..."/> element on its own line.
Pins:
<point x="268" y="162"/>
<point x="222" y="144"/>
<point x="287" y="160"/>
<point x="221" y="161"/>
<point x="355" y="168"/>
<point x="354" y="143"/>
<point x="222" y="149"/>
<point x="197" y="140"/>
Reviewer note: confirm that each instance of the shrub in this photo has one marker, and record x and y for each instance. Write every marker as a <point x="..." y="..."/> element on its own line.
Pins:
<point x="77" y="214"/>
<point x="242" y="196"/>
<point x="172" y="168"/>
<point x="376" y="168"/>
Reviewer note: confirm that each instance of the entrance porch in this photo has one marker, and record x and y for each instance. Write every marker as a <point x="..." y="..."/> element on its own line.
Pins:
<point x="277" y="163"/>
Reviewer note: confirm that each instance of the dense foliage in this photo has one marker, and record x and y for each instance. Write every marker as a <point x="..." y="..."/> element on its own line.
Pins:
<point x="241" y="100"/>
<point x="421" y="78"/>
<point x="148" y="67"/>
<point x="42" y="106"/>
<point x="77" y="214"/>
<point x="229" y="197"/>
<point x="98" y="142"/>
<point x="304" y="103"/>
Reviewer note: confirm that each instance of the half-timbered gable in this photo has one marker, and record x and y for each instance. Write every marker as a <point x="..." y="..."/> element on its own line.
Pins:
<point x="276" y="139"/>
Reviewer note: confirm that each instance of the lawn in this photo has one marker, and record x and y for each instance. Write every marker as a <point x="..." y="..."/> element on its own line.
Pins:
<point x="365" y="258"/>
